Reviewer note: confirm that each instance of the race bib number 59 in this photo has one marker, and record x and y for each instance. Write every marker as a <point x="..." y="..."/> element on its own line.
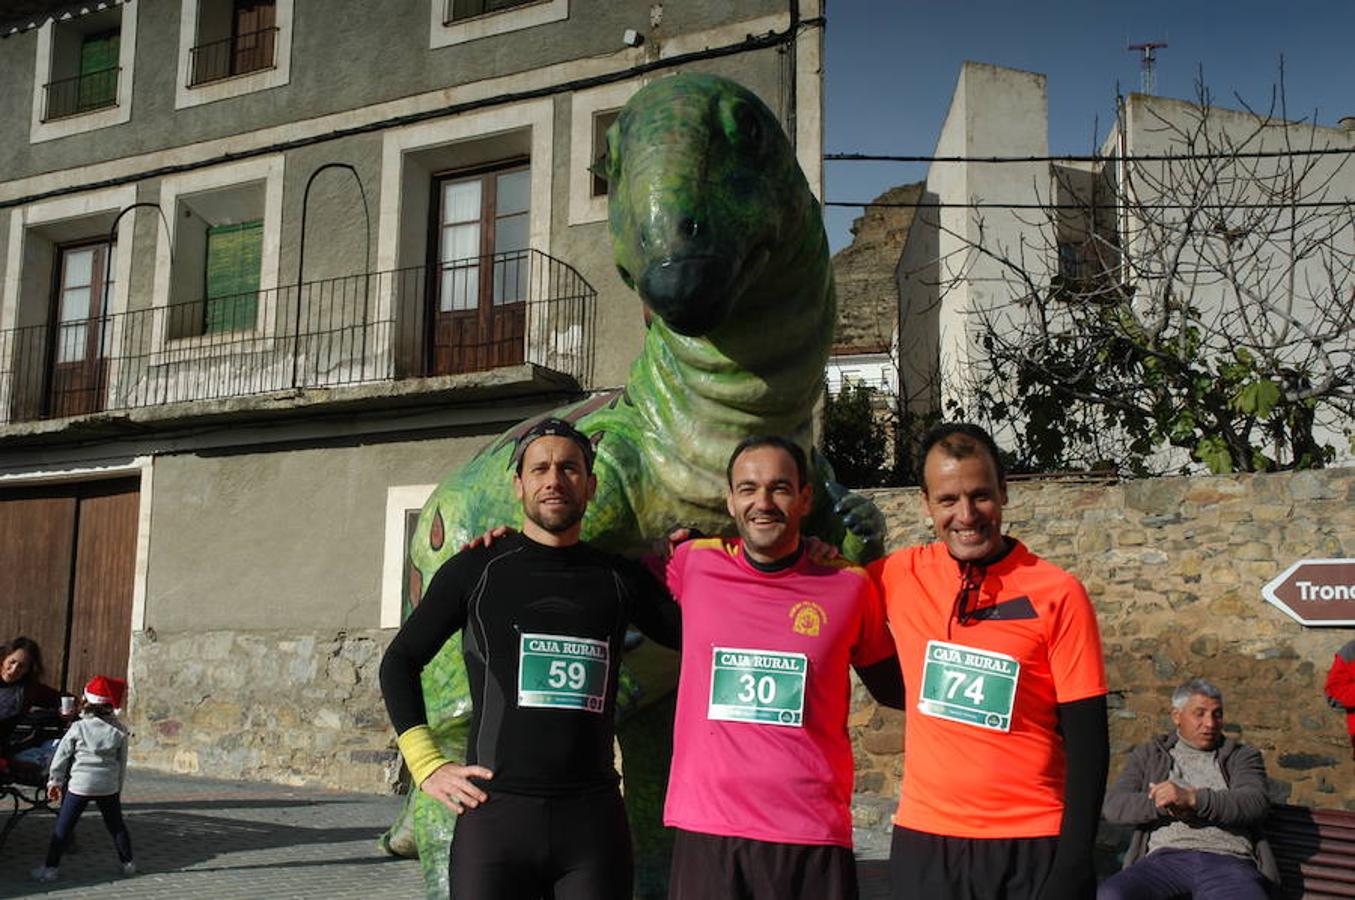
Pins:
<point x="974" y="687"/>
<point x="758" y="686"/>
<point x="561" y="672"/>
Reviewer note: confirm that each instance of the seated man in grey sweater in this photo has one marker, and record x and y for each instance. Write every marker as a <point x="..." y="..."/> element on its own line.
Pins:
<point x="1196" y="799"/>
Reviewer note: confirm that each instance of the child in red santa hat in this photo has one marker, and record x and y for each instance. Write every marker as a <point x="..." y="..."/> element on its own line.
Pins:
<point x="90" y="764"/>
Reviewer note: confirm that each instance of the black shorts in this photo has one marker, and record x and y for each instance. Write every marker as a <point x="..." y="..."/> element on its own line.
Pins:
<point x="568" y="848"/>
<point x="939" y="867"/>
<point x="715" y="867"/>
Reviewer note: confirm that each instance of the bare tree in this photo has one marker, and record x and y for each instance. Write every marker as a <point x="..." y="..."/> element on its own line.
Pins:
<point x="1191" y="298"/>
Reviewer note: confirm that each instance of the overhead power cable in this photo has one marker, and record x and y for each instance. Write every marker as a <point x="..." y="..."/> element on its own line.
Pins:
<point x="1144" y="157"/>
<point x="1306" y="204"/>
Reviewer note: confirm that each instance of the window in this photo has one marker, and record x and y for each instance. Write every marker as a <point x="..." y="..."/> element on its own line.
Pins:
<point x="79" y="368"/>
<point x="459" y="21"/>
<point x="1070" y="261"/>
<point x="61" y="307"/>
<point x="591" y="113"/>
<point x="235" y="37"/>
<point x="228" y="48"/>
<point x="601" y="122"/>
<point x="403" y="504"/>
<point x="417" y="162"/>
<point x="216" y="271"/>
<point x="218" y="258"/>
<point x="483" y="230"/>
<point x="83" y="71"/>
<point x="457" y="10"/>
<point x="94" y="84"/>
<point x="234" y="254"/>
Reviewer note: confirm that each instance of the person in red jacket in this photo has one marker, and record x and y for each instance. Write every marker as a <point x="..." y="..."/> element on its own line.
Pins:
<point x="1341" y="687"/>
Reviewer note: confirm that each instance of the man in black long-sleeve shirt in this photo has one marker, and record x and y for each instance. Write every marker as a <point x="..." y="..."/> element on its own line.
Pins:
<point x="543" y="617"/>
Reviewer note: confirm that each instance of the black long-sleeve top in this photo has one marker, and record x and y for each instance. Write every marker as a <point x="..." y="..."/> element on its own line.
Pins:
<point x="564" y="610"/>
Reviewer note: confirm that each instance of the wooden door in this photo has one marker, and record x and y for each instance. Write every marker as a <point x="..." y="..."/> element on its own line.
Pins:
<point x="483" y="270"/>
<point x="67" y="562"/>
<point x="104" y="573"/>
<point x="80" y="333"/>
<point x="252" y="35"/>
<point x="37" y="539"/>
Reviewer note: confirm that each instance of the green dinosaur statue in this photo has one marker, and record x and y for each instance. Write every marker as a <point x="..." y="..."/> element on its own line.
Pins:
<point x="713" y="224"/>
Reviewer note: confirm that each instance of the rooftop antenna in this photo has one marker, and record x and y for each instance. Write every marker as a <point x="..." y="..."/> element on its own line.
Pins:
<point x="1147" y="61"/>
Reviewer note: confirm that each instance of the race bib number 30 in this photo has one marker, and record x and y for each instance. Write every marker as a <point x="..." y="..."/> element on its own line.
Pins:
<point x="758" y="686"/>
<point x="561" y="672"/>
<point x="975" y="687"/>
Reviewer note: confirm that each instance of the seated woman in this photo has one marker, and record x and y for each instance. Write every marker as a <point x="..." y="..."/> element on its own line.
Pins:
<point x="21" y="687"/>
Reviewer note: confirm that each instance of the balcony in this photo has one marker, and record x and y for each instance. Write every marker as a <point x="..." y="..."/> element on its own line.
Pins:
<point x="84" y="93"/>
<point x="364" y="329"/>
<point x="238" y="55"/>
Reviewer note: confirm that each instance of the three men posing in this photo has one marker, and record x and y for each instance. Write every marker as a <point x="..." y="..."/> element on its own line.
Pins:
<point x="762" y="770"/>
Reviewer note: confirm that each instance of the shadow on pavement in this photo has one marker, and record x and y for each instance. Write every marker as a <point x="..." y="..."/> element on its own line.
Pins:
<point x="135" y="806"/>
<point x="168" y="841"/>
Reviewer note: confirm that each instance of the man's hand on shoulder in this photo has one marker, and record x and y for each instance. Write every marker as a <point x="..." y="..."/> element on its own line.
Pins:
<point x="864" y="521"/>
<point x="820" y="552"/>
<point x="451" y="786"/>
<point x="489" y="537"/>
<point x="663" y="547"/>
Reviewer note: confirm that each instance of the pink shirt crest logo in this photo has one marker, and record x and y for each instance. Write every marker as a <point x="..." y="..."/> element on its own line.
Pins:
<point x="807" y="617"/>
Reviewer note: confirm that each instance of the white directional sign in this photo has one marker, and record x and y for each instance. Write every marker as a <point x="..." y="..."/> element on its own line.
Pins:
<point x="1316" y="591"/>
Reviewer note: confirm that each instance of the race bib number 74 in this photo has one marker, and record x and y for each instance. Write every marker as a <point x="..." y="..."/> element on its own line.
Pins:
<point x="561" y="672"/>
<point x="974" y="687"/>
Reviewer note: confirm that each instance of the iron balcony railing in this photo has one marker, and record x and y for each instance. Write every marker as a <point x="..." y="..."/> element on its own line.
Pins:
<point x="236" y="55"/>
<point x="375" y="327"/>
<point x="81" y="94"/>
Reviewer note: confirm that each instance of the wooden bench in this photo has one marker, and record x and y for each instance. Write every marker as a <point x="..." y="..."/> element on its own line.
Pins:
<point x="1315" y="850"/>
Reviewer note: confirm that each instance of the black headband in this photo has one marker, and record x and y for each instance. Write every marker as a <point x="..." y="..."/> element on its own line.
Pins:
<point x="553" y="427"/>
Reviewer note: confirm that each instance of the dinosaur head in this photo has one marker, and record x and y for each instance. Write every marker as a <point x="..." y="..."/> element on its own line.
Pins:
<point x="703" y="188"/>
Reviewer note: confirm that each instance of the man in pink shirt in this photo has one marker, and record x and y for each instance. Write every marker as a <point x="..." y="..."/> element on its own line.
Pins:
<point x="761" y="783"/>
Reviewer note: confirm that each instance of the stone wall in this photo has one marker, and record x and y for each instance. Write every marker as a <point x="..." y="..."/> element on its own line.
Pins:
<point x="1175" y="567"/>
<point x="291" y="708"/>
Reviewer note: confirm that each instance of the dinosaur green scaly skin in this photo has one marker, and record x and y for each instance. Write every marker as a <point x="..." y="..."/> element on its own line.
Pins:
<point x="713" y="223"/>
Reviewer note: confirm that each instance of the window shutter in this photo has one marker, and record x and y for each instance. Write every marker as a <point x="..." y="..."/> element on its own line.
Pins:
<point x="234" y="258"/>
<point x="98" y="69"/>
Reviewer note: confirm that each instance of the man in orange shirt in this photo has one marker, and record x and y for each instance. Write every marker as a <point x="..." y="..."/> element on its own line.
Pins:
<point x="1005" y="751"/>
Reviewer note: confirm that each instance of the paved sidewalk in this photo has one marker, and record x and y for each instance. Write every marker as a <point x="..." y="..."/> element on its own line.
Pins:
<point x="204" y="839"/>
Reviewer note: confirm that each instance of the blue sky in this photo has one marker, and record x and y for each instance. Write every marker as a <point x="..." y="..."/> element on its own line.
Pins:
<point x="891" y="66"/>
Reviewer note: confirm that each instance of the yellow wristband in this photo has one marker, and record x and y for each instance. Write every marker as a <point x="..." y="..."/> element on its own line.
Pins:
<point x="421" y="754"/>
